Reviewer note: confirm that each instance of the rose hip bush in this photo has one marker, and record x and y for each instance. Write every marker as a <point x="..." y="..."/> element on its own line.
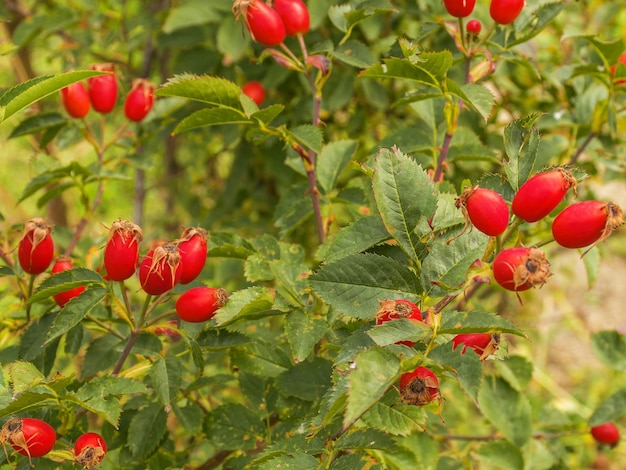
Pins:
<point x="343" y="273"/>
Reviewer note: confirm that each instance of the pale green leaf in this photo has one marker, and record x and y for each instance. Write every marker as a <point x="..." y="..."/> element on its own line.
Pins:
<point x="38" y="123"/>
<point x="304" y="331"/>
<point x="354" y="53"/>
<point x="517" y="371"/>
<point x="610" y="409"/>
<point x="206" y="89"/>
<point x="190" y="13"/>
<point x="610" y="348"/>
<point x="66" y="280"/>
<point x="166" y="375"/>
<point x="521" y="142"/>
<point x="244" y="303"/>
<point x="458" y="322"/>
<point x="401" y="329"/>
<point x="500" y="455"/>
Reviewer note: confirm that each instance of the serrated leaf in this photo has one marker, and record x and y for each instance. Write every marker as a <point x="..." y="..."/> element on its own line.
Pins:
<point x="206" y="89"/>
<point x="146" y="430"/>
<point x="190" y="13"/>
<point x="397" y="420"/>
<point x="66" y="280"/>
<point x="345" y="17"/>
<point x="332" y="160"/>
<point x="38" y="123"/>
<point x="403" y="69"/>
<point x="364" y="233"/>
<point x="289" y="461"/>
<point x="539" y="19"/>
<point x="500" y="455"/>
<point x="267" y="114"/>
<point x="363" y="438"/>
<point x="75" y="310"/>
<point x="401" y="329"/>
<point x="610" y="348"/>
<point x="233" y="427"/>
<point x="303" y="332"/>
<point x="72" y="171"/>
<point x="307" y="380"/>
<point x="374" y="371"/>
<point x="23" y="375"/>
<point x="189" y="416"/>
<point x="354" y="53"/>
<point x="477" y="322"/>
<point x="108" y="408"/>
<point x="244" y="303"/>
<point x="521" y="142"/>
<point x="29" y="401"/>
<point x="404" y="195"/>
<point x="99" y="355"/>
<point x="211" y="117"/>
<point x="356" y="284"/>
<point x="517" y="371"/>
<point x="475" y="96"/>
<point x="447" y="214"/>
<point x="166" y="375"/>
<point x="33" y="339"/>
<point x="507" y="409"/>
<point x="445" y="268"/>
<point x="307" y="135"/>
<point x="221" y="339"/>
<point x="26" y="93"/>
<point x="610" y="409"/>
<point x="260" y="358"/>
<point x="109" y="385"/>
<point x="467" y="367"/>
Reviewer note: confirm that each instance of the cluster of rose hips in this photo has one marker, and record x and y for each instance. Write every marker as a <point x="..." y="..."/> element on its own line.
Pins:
<point x="101" y="94"/>
<point x="165" y="265"/>
<point x="501" y="11"/>
<point x="34" y="438"/>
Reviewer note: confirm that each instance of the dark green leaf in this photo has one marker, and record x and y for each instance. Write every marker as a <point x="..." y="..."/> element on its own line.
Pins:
<point x="190" y="13"/>
<point x="363" y="438"/>
<point x="477" y="322"/>
<point x="364" y="233"/>
<point x="233" y="427"/>
<point x="401" y="329"/>
<point x="307" y="380"/>
<point x="304" y="331"/>
<point x="100" y="355"/>
<point x="211" y="117"/>
<point x="610" y="348"/>
<point x="289" y="461"/>
<point x="260" y="358"/>
<point x="611" y="409"/>
<point x="212" y="90"/>
<point x="517" y="371"/>
<point x="74" y="171"/>
<point x="354" y="53"/>
<point x="467" y="367"/>
<point x="146" y="431"/>
<point x="38" y="123"/>
<point x="66" y="280"/>
<point x="500" y="455"/>
<point x="521" y="142"/>
<point x="166" y="375"/>
<point x="310" y="137"/>
<point x="397" y="420"/>
<point x="332" y="160"/>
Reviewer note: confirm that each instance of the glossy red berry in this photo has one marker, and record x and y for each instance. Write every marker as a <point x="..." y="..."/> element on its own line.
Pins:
<point x="622" y="60"/>
<point x="121" y="254"/>
<point x="193" y="248"/>
<point x="103" y="89"/>
<point x="505" y="11"/>
<point x="419" y="387"/>
<point x="585" y="223"/>
<point x="64" y="264"/>
<point x="459" y="8"/>
<point x="28" y="436"/>
<point x="541" y="193"/>
<point x="520" y="268"/>
<point x="255" y="91"/>
<point x="199" y="304"/>
<point x="295" y="16"/>
<point x="393" y="309"/>
<point x="75" y="100"/>
<point x="485" y="209"/>
<point x="161" y="269"/>
<point x="139" y="100"/>
<point x="263" y="22"/>
<point x="474" y="27"/>
<point x="36" y="248"/>
<point x="89" y="449"/>
<point x="606" y="433"/>
<point x="483" y="344"/>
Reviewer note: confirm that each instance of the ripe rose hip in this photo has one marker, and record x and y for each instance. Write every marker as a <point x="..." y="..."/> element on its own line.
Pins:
<point x="192" y="246"/>
<point x="139" y="100"/>
<point x="28" y="436"/>
<point x="75" y="100"/>
<point x="622" y="59"/>
<point x="103" y="89"/>
<point x="64" y="264"/>
<point x="295" y="16"/>
<point x="485" y="209"/>
<point x="255" y="91"/>
<point x="505" y="11"/>
<point x="419" y="387"/>
<point x="606" y="433"/>
<point x="263" y="22"/>
<point x="199" y="304"/>
<point x="36" y="248"/>
<point x="89" y="449"/>
<point x="121" y="254"/>
<point x="541" y="193"/>
<point x="392" y="309"/>
<point x="161" y="268"/>
<point x="459" y="8"/>
<point x="483" y="344"/>
<point x="474" y="27"/>
<point x="521" y="268"/>
<point x="585" y="223"/>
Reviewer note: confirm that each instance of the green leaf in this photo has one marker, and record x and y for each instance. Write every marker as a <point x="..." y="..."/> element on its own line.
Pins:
<point x="445" y="269"/>
<point x="447" y="214"/>
<point x="356" y="284"/>
<point x="592" y="262"/>
<point x="310" y="137"/>
<point x="303" y="332"/>
<point x="403" y="69"/>
<point x="611" y="409"/>
<point x="38" y="123"/>
<point x="216" y="91"/>
<point x="475" y="96"/>
<point x="23" y="375"/>
<point x="539" y="19"/>
<point x="189" y="416"/>
<point x="24" y="94"/>
<point x="75" y="310"/>
<point x="245" y="303"/>
<point x="517" y="371"/>
<point x="166" y="375"/>
<point x="477" y="322"/>
<point x="374" y="372"/>
<point x="233" y="427"/>
<point x="267" y="114"/>
<point x="507" y="409"/>
<point x="404" y="195"/>
<point x="73" y="171"/>
<point x="211" y="117"/>
<point x="398" y="420"/>
<point x="610" y="348"/>
<point x="401" y="329"/>
<point x="146" y="431"/>
<point x="362" y="234"/>
<point x="500" y="455"/>
<point x="467" y="367"/>
<point x="307" y="380"/>
<point x="345" y="17"/>
<point x="190" y="13"/>
<point x="289" y="461"/>
<point x="332" y="160"/>
<point x="100" y="355"/>
<point x="32" y="341"/>
<point x="363" y="438"/>
<point x="29" y="401"/>
<point x="418" y="451"/>
<point x="521" y="142"/>
<point x="354" y="53"/>
<point x="66" y="280"/>
<point x="260" y="358"/>
<point x="109" y="385"/>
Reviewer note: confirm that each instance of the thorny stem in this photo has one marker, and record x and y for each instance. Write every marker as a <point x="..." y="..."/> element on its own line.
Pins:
<point x="582" y="148"/>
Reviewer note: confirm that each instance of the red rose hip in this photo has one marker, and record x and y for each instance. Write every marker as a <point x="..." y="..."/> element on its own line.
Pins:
<point x="474" y="27"/>
<point x="89" y="449"/>
<point x="255" y="91"/>
<point x="295" y="16"/>
<point x="459" y="8"/>
<point x="505" y="11"/>
<point x="419" y="387"/>
<point x="262" y="21"/>
<point x="121" y="254"/>
<point x="64" y="263"/>
<point x="483" y="344"/>
<point x="485" y="209"/>
<point x="75" y="100"/>
<point x="520" y="268"/>
<point x="585" y="223"/>
<point x="140" y="100"/>
<point x="392" y="309"/>
<point x="606" y="433"/>
<point x="199" y="304"/>
<point x="36" y="248"/>
<point x="103" y="89"/>
<point x="192" y="246"/>
<point x="28" y="436"/>
<point x="161" y="269"/>
<point x="541" y="193"/>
